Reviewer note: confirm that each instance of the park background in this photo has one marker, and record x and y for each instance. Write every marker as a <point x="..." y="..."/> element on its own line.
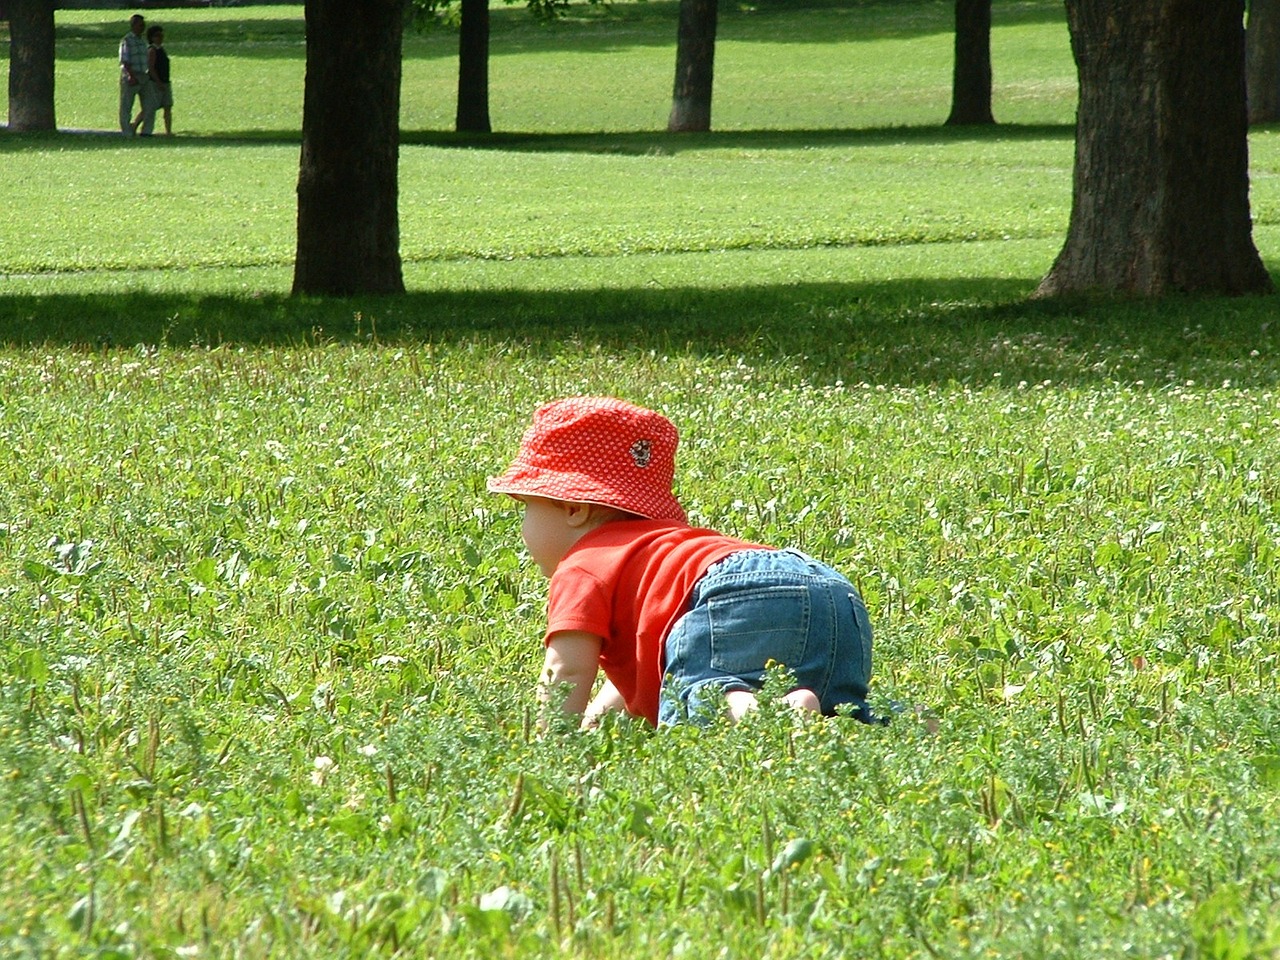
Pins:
<point x="269" y="648"/>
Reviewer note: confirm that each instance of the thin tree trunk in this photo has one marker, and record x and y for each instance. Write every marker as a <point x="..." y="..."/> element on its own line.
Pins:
<point x="31" y="60"/>
<point x="695" y="59"/>
<point x="1160" y="200"/>
<point x="348" y="221"/>
<point x="473" y="68"/>
<point x="1262" y="60"/>
<point x="971" y="80"/>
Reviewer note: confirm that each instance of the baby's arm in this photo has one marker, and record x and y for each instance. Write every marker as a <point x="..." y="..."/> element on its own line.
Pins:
<point x="573" y="660"/>
<point x="605" y="701"/>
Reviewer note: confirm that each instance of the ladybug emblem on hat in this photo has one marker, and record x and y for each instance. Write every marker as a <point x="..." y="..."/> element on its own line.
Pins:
<point x="642" y="453"/>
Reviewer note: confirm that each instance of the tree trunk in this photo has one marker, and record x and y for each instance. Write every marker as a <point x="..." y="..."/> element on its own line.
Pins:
<point x="971" y="80"/>
<point x="31" y="56"/>
<point x="1262" y="59"/>
<point x="695" y="56"/>
<point x="348" y="222"/>
<point x="1160" y="200"/>
<point x="473" y="68"/>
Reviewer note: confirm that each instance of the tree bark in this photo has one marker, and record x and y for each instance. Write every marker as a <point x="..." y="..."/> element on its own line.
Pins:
<point x="348" y="222"/>
<point x="31" y="59"/>
<point x="695" y="58"/>
<point x="1160" y="199"/>
<point x="971" y="79"/>
<point x="1262" y="59"/>
<point x="473" y="68"/>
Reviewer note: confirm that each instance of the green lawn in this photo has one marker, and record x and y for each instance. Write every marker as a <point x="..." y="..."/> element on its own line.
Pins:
<point x="268" y="649"/>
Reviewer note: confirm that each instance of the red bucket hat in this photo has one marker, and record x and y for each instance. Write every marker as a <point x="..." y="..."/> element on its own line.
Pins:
<point x="597" y="450"/>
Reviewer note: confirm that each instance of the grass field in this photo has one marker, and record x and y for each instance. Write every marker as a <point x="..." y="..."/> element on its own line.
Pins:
<point x="267" y="647"/>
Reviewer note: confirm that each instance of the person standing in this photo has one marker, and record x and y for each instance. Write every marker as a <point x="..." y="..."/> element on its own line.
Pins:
<point x="160" y="91"/>
<point x="134" y="79"/>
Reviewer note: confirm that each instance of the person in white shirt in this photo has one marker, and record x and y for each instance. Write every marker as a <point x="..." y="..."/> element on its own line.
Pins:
<point x="134" y="78"/>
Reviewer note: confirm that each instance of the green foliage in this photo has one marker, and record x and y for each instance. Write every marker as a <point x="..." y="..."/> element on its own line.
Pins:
<point x="268" y="649"/>
<point x="269" y="654"/>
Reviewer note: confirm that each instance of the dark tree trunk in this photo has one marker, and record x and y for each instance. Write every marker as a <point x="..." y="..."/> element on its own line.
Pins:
<point x="695" y="57"/>
<point x="1262" y="59"/>
<point x="31" y="55"/>
<point x="1160" y="200"/>
<point x="971" y="80"/>
<point x="348" y="222"/>
<point x="473" y="68"/>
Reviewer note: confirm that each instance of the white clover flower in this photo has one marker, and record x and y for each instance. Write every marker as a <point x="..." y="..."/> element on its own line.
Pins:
<point x="322" y="767"/>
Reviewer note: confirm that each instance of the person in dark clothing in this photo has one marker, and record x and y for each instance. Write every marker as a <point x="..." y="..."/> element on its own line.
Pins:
<point x="159" y="94"/>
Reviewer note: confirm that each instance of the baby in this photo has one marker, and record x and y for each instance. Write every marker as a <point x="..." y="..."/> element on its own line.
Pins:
<point x="683" y="621"/>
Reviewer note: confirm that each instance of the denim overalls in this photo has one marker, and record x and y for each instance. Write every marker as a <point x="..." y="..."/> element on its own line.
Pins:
<point x="755" y="606"/>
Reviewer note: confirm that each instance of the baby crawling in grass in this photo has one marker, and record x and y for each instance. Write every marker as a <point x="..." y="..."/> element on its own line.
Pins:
<point x="683" y="621"/>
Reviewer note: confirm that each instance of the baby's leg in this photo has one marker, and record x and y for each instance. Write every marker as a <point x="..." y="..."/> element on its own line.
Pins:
<point x="802" y="698"/>
<point x="742" y="702"/>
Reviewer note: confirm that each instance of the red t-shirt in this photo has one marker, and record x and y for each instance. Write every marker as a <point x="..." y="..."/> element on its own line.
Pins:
<point x="627" y="582"/>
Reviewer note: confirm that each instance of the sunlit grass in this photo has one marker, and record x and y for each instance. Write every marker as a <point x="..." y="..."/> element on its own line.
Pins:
<point x="602" y="68"/>
<point x="270" y="651"/>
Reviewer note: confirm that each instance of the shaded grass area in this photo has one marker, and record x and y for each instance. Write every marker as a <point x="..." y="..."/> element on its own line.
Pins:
<point x="637" y="143"/>
<point x="281" y="32"/>
<point x="911" y="332"/>
<point x="662" y="144"/>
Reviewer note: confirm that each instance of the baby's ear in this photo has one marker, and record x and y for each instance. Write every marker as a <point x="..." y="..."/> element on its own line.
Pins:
<point x="576" y="514"/>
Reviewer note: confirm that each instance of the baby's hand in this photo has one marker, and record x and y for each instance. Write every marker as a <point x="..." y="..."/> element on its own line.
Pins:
<point x="605" y="701"/>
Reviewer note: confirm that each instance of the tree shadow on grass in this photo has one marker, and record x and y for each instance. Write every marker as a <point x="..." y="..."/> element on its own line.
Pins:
<point x="660" y="142"/>
<point x="629" y="143"/>
<point x="977" y="331"/>
<point x="594" y="28"/>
